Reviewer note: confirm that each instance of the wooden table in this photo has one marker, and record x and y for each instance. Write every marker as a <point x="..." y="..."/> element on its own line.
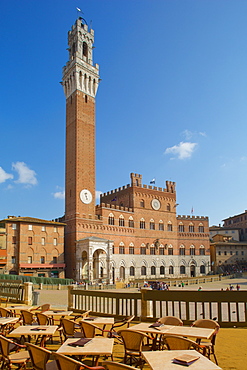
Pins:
<point x="53" y="313"/>
<point x="29" y="330"/>
<point x="185" y="331"/>
<point x="96" y="347"/>
<point x="7" y="324"/>
<point x="99" y="320"/>
<point x="19" y="307"/>
<point x="158" y="360"/>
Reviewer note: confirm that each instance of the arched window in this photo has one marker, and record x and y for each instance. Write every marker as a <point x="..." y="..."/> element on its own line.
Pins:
<point x="121" y="248"/>
<point x="152" y="225"/>
<point x="171" y="270"/>
<point x="122" y="272"/>
<point x="132" y="271"/>
<point x="182" y="269"/>
<point x="170" y="250"/>
<point x="142" y="223"/>
<point x="162" y="270"/>
<point x="181" y="228"/>
<point x="169" y="226"/>
<point x="201" y="228"/>
<point x="143" y="271"/>
<point x="192" y="250"/>
<point x="161" y="225"/>
<point x="131" y="221"/>
<point x="181" y="250"/>
<point x="121" y="220"/>
<point x="202" y="250"/>
<point x="143" y="249"/>
<point x="142" y="203"/>
<point x="111" y="219"/>
<point x="153" y="270"/>
<point x="168" y="207"/>
<point x="191" y="228"/>
<point x="202" y="269"/>
<point x="131" y="248"/>
<point x="85" y="49"/>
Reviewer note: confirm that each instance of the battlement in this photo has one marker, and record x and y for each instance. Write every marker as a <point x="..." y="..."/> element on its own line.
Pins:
<point x="195" y="218"/>
<point x="113" y="206"/>
<point x="136" y="180"/>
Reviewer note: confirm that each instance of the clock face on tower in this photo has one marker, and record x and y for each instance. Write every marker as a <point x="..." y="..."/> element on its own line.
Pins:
<point x="86" y="196"/>
<point x="155" y="204"/>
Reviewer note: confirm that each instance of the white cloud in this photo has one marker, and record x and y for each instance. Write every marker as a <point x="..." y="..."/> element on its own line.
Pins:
<point x="26" y="175"/>
<point x="59" y="195"/>
<point x="189" y="134"/>
<point x="183" y="150"/>
<point x="4" y="175"/>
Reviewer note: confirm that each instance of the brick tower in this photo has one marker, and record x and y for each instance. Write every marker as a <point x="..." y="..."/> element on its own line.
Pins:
<point x="80" y="83"/>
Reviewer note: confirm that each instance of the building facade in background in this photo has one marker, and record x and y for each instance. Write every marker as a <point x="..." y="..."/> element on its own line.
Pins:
<point x="30" y="246"/>
<point x="238" y="221"/>
<point x="228" y="253"/>
<point x="135" y="232"/>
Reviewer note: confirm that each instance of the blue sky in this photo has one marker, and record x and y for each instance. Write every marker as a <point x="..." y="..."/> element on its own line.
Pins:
<point x="172" y="103"/>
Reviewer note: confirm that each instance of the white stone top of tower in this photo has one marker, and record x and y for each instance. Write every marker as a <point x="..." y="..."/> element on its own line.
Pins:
<point x="79" y="72"/>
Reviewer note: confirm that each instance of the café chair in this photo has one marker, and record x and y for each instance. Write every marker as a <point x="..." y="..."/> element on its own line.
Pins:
<point x="112" y="365"/>
<point x="133" y="342"/>
<point x="42" y="308"/>
<point x="27" y="318"/>
<point x="170" y="320"/>
<point x="68" y="329"/>
<point x="175" y="342"/>
<point x="39" y="358"/>
<point x="4" y="312"/>
<point x="209" y="345"/>
<point x="89" y="330"/>
<point x="68" y="363"/>
<point x="43" y="319"/>
<point x="81" y="316"/>
<point x="19" y="358"/>
<point x="118" y="324"/>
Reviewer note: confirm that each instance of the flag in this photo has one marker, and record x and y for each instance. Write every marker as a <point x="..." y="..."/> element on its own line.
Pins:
<point x="192" y="210"/>
<point x="153" y="181"/>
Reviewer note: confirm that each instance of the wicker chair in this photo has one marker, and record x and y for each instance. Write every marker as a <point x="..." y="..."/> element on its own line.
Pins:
<point x="19" y="358"/>
<point x="209" y="346"/>
<point x="27" y="317"/>
<point x="42" y="308"/>
<point x="89" y="330"/>
<point x="170" y="320"/>
<point x="118" y="324"/>
<point x="179" y="343"/>
<point x="67" y="363"/>
<point x="43" y="319"/>
<point x="133" y="346"/>
<point x="68" y="329"/>
<point x="4" y="312"/>
<point x="39" y="358"/>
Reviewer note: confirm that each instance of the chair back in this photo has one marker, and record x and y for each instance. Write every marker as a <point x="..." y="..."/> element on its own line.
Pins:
<point x="42" y="319"/>
<point x="39" y="356"/>
<point x="67" y="363"/>
<point x="112" y="365"/>
<point x="175" y="342"/>
<point x="88" y="329"/>
<point x="4" y="312"/>
<point x="171" y="320"/>
<point x="68" y="327"/>
<point x="132" y="340"/>
<point x="45" y="307"/>
<point x="128" y="319"/>
<point x="210" y="324"/>
<point x="5" y="346"/>
<point x="27" y="317"/>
